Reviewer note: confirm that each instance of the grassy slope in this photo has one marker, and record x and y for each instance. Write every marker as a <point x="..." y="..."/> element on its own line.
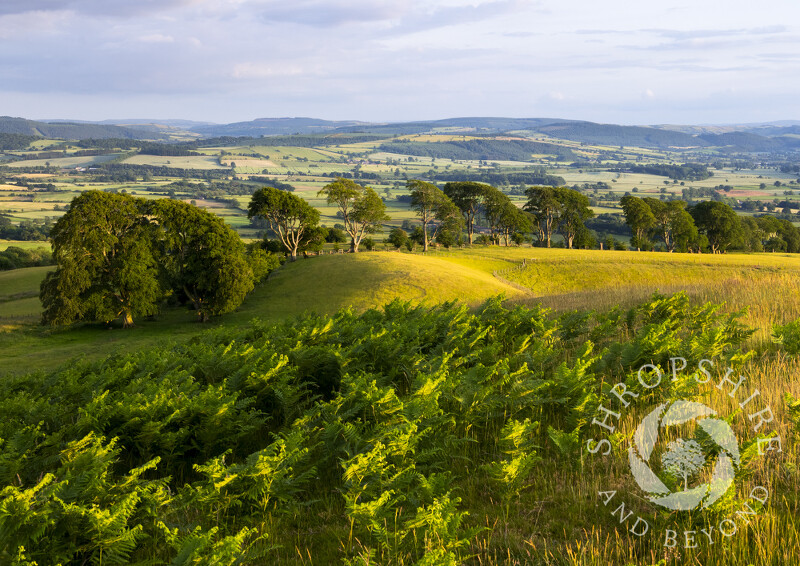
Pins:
<point x="321" y="284"/>
<point x="769" y="284"/>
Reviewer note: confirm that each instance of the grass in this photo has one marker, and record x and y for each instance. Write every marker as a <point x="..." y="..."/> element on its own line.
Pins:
<point x="768" y="285"/>
<point x="24" y="244"/>
<point x="323" y="284"/>
<point x="563" y="280"/>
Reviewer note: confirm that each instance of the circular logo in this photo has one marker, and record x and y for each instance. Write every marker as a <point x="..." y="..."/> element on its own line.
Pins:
<point x="683" y="458"/>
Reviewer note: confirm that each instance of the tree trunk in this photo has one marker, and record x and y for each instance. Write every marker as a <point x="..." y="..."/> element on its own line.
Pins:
<point x="127" y="320"/>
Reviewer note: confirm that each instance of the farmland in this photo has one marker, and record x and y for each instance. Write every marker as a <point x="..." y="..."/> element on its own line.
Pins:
<point x="37" y="189"/>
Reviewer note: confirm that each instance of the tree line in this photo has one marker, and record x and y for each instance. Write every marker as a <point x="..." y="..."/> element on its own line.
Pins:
<point x="706" y="225"/>
<point x="119" y="256"/>
<point x="444" y="214"/>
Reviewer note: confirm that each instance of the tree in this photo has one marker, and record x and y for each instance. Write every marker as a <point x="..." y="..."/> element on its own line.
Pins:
<point x="467" y="196"/>
<point x="313" y="240"/>
<point x="789" y="234"/>
<point x="513" y="221"/>
<point x="432" y="205"/>
<point x="639" y="217"/>
<point x="495" y="204"/>
<point x="574" y="212"/>
<point x="105" y="266"/>
<point x="336" y="235"/>
<point x="397" y="237"/>
<point x="753" y="235"/>
<point x="289" y="216"/>
<point x="362" y="210"/>
<point x="202" y="257"/>
<point x="671" y="221"/>
<point x="718" y="222"/>
<point x="546" y="210"/>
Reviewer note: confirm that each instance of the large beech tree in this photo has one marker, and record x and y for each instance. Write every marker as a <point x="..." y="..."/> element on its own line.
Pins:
<point x="362" y="210"/>
<point x="672" y="223"/>
<point x="289" y="216"/>
<point x="105" y="270"/>
<point x="202" y="257"/>
<point x="118" y="257"/>
<point x="574" y="212"/>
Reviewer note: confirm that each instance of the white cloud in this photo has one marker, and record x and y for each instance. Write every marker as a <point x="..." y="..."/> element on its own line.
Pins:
<point x="157" y="38"/>
<point x="398" y="59"/>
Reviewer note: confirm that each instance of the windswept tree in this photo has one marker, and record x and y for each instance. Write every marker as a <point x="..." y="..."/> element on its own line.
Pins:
<point x="718" y="222"/>
<point x="435" y="210"/>
<point x="362" y="210"/>
<point x="287" y="215"/>
<point x="202" y="257"/>
<point x="574" y="212"/>
<point x="639" y="217"/>
<point x="105" y="270"/>
<point x="544" y="205"/>
<point x="467" y="196"/>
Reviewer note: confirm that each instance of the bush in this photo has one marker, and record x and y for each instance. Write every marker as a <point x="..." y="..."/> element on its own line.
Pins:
<point x="336" y="235"/>
<point x="15" y="258"/>
<point x="788" y="337"/>
<point x="397" y="237"/>
<point x="261" y="262"/>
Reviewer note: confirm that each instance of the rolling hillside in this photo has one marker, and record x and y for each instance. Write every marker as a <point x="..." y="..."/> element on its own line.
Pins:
<point x="767" y="284"/>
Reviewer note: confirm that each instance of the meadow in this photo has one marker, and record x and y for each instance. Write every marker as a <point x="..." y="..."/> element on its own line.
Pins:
<point x="561" y="280"/>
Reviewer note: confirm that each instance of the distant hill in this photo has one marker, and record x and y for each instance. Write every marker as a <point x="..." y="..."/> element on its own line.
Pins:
<point x="776" y="137"/>
<point x="614" y="135"/>
<point x="751" y="143"/>
<point x="475" y="125"/>
<point x="74" y="131"/>
<point x="275" y="127"/>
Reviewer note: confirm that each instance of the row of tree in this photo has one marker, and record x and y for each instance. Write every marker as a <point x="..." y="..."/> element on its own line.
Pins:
<point x="709" y="225"/>
<point x="118" y="256"/>
<point x="443" y="213"/>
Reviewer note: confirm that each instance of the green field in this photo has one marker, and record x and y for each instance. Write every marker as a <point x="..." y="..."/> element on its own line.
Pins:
<point x="767" y="284"/>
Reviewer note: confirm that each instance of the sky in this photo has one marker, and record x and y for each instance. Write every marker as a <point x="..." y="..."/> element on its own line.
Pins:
<point x="615" y="61"/>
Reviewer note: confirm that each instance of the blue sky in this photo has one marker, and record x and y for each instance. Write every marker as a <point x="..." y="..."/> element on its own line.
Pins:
<point x="615" y="61"/>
